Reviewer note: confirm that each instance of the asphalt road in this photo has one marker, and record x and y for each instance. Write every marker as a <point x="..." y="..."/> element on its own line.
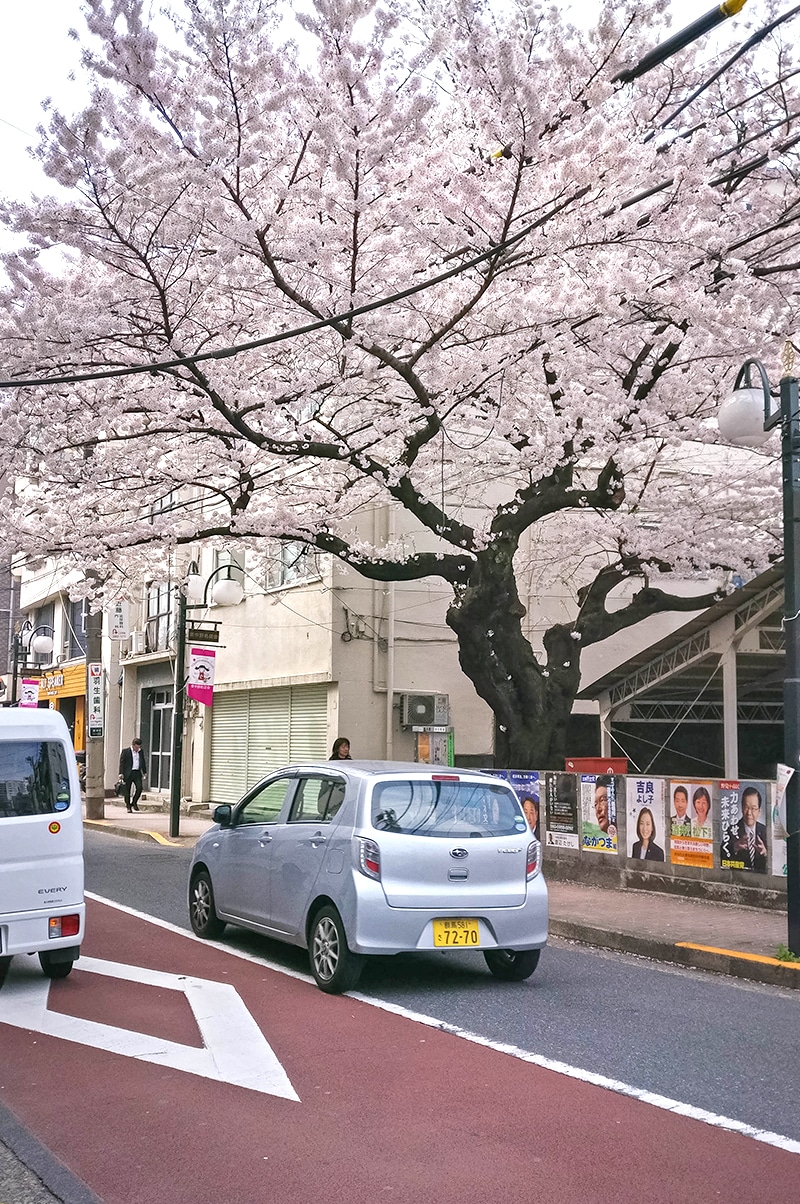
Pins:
<point x="715" y="1043"/>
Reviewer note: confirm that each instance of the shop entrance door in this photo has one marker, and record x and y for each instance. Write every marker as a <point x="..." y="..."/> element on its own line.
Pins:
<point x="159" y="758"/>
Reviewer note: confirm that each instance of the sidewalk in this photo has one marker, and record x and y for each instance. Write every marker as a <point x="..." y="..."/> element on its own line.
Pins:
<point x="722" y="937"/>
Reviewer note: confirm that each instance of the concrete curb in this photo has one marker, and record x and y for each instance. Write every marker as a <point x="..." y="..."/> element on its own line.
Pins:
<point x="766" y="970"/>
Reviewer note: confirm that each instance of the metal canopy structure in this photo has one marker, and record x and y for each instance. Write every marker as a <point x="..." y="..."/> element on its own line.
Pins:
<point x="725" y="666"/>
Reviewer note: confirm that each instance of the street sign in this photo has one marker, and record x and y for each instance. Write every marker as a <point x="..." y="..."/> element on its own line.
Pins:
<point x="203" y="635"/>
<point x="119" y="620"/>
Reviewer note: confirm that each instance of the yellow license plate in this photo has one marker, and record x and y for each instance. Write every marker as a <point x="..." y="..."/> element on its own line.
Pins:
<point x="453" y="934"/>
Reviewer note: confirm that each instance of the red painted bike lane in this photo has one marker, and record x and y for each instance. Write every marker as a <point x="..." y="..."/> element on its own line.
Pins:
<point x="388" y="1108"/>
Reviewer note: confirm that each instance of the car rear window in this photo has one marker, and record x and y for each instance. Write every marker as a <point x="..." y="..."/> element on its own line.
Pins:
<point x="451" y="810"/>
<point x="34" y="779"/>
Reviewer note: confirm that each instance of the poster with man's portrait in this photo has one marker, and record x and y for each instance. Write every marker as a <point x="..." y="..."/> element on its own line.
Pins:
<point x="600" y="795"/>
<point x="645" y="814"/>
<point x="691" y="821"/>
<point x="743" y="841"/>
<point x="525" y="785"/>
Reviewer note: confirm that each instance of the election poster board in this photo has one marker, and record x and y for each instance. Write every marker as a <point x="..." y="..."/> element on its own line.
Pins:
<point x="599" y="795"/>
<point x="561" y="811"/>
<point x="691" y="822"/>
<point x="743" y="842"/>
<point x="645" y="813"/>
<point x="526" y="786"/>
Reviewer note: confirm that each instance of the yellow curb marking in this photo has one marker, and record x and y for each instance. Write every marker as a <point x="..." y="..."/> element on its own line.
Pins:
<point x="750" y="957"/>
<point x="92" y="823"/>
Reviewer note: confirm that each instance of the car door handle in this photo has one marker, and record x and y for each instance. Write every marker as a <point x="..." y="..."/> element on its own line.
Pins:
<point x="262" y="840"/>
<point x="317" y="839"/>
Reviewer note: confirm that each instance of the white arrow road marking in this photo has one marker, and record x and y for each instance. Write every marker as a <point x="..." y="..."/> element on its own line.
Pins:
<point x="235" y="1050"/>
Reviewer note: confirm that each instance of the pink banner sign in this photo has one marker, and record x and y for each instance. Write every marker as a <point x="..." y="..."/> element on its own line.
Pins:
<point x="29" y="692"/>
<point x="200" y="683"/>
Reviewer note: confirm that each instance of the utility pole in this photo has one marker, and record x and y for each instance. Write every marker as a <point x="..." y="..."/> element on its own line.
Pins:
<point x="95" y="745"/>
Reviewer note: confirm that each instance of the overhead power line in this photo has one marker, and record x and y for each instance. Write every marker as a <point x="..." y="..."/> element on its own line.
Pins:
<point x="659" y="54"/>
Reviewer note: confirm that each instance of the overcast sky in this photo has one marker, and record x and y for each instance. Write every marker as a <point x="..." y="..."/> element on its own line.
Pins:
<point x="37" y="58"/>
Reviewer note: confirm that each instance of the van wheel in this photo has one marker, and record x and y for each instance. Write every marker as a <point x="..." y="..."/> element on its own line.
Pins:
<point x="335" y="968"/>
<point x="54" y="969"/>
<point x="202" y="915"/>
<point x="512" y="965"/>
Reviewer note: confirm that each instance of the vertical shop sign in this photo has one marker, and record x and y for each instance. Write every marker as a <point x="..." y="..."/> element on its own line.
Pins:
<point x="94" y="700"/>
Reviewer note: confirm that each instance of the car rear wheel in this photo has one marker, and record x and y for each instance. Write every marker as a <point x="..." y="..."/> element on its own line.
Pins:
<point x="335" y="968"/>
<point x="512" y="965"/>
<point x="54" y="969"/>
<point x="202" y="915"/>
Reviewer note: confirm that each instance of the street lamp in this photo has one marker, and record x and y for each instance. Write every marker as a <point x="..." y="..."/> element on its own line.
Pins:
<point x="745" y="419"/>
<point x="26" y="640"/>
<point x="226" y="592"/>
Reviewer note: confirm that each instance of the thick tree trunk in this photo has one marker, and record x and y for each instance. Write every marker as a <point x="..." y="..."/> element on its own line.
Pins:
<point x="531" y="702"/>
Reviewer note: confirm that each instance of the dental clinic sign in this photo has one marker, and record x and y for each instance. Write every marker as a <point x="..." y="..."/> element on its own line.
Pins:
<point x="94" y="700"/>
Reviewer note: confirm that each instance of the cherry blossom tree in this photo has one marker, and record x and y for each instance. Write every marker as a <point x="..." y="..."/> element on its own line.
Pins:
<point x="426" y="253"/>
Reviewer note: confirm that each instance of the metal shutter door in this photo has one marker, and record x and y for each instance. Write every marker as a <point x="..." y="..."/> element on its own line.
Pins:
<point x="228" y="778"/>
<point x="268" y="746"/>
<point x="308" y="731"/>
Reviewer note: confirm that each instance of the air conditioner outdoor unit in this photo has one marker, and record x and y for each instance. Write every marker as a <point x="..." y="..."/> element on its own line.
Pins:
<point x="137" y="643"/>
<point x="425" y="710"/>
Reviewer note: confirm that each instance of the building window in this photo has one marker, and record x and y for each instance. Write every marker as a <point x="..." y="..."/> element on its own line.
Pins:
<point x="236" y="562"/>
<point x="75" y="636"/>
<point x="159" y="616"/>
<point x="291" y="562"/>
<point x="44" y="617"/>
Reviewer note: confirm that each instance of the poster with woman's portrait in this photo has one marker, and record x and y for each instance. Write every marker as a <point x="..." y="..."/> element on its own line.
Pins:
<point x="526" y="787"/>
<point x="691" y="823"/>
<point x="645" y="814"/>
<point x="561" y="811"/>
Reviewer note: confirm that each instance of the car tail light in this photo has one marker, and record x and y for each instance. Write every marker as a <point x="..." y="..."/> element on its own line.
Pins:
<point x="60" y="926"/>
<point x="532" y="860"/>
<point x="369" y="858"/>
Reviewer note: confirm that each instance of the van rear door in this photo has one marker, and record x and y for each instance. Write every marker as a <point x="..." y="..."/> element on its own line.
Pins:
<point x="41" y="836"/>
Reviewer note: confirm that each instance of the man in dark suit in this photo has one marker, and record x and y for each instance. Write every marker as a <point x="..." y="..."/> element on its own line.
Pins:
<point x="132" y="769"/>
<point x="748" y="839"/>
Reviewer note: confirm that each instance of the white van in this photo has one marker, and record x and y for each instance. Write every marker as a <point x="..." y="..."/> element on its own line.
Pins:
<point x="42" y="908"/>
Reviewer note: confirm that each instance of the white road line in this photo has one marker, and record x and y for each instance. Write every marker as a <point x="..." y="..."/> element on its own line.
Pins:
<point x="574" y="1072"/>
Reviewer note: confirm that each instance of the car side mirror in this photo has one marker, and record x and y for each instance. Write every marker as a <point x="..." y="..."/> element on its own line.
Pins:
<point x="222" y="815"/>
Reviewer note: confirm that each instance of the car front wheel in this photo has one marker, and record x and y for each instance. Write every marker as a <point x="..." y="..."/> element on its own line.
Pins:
<point x="202" y="915"/>
<point x="335" y="968"/>
<point x="512" y="965"/>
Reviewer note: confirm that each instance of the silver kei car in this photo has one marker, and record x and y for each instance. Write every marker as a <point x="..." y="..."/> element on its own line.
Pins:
<point x="348" y="859"/>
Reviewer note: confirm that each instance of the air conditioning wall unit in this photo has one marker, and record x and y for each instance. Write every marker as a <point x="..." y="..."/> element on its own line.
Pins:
<point x="425" y="710"/>
<point x="138" y="644"/>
